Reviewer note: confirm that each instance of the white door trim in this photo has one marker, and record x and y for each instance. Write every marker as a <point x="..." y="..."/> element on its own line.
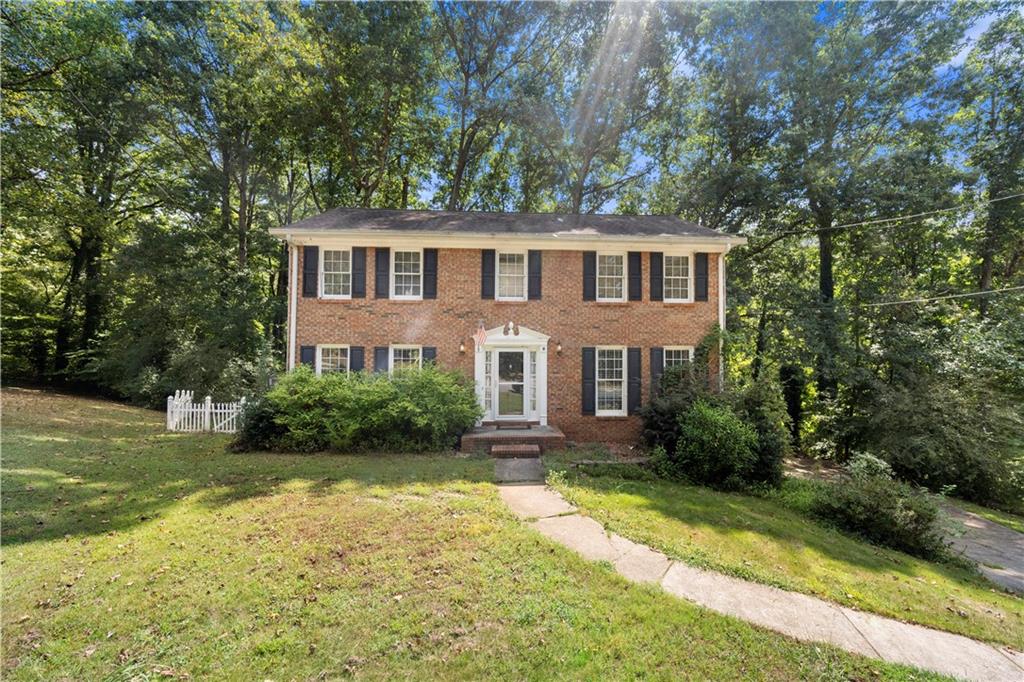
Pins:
<point x="511" y="337"/>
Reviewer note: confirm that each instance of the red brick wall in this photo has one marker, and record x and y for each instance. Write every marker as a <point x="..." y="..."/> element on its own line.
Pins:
<point x="562" y="314"/>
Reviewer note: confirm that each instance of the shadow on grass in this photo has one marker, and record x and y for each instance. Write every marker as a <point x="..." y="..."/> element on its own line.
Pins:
<point x="728" y="514"/>
<point x="76" y="467"/>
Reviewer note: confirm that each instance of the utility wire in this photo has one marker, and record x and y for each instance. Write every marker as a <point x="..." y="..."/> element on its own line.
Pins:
<point x="881" y="222"/>
<point x="988" y="292"/>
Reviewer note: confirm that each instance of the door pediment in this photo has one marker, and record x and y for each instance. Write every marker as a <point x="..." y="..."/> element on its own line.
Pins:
<point x="512" y="334"/>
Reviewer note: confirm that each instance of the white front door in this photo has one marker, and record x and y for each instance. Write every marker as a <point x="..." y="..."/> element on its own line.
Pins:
<point x="511" y="384"/>
<point x="511" y="375"/>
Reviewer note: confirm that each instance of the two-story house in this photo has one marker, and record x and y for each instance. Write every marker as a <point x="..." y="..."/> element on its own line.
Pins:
<point x="561" y="320"/>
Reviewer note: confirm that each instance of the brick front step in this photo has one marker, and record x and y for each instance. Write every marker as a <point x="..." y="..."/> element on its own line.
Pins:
<point x="507" y="451"/>
<point x="483" y="438"/>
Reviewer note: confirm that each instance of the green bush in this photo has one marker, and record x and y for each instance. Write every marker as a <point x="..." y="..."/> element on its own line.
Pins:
<point x="259" y="429"/>
<point x="714" y="448"/>
<point x="413" y="410"/>
<point x="678" y="389"/>
<point x="885" y="512"/>
<point x="760" y="405"/>
<point x="863" y="465"/>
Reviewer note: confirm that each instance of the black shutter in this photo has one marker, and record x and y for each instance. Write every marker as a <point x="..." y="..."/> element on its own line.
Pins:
<point x="701" y="276"/>
<point x="657" y="276"/>
<point x="633" y="376"/>
<point x="382" y="276"/>
<point x="310" y="268"/>
<point x="590" y="276"/>
<point x="429" y="354"/>
<point x="356" y="359"/>
<point x="429" y="273"/>
<point x="657" y="366"/>
<point x="589" y="397"/>
<point x="380" y="359"/>
<point x="307" y="355"/>
<point x="359" y="272"/>
<point x="533" y="277"/>
<point x="487" y="273"/>
<point x="635" y="276"/>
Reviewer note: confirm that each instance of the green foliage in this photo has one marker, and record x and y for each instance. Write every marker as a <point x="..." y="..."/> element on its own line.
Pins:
<point x="760" y="406"/>
<point x="885" y="512"/>
<point x="863" y="465"/>
<point x="714" y="448"/>
<point x="412" y="410"/>
<point x="679" y="388"/>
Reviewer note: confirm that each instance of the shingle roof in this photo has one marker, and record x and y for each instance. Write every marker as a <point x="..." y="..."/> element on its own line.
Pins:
<point x="479" y="222"/>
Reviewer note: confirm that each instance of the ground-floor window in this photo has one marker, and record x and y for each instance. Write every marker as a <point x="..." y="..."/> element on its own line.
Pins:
<point x="678" y="355"/>
<point x="611" y="381"/>
<point x="331" y="359"/>
<point x="406" y="357"/>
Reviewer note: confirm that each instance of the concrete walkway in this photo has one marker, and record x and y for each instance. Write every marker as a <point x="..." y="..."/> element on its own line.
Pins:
<point x="797" y="615"/>
<point x="998" y="550"/>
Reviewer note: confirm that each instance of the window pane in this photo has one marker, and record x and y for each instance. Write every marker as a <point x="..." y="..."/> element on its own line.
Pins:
<point x="333" y="360"/>
<point x="337" y="273"/>
<point x="610" y="277"/>
<point x="610" y="382"/>
<point x="405" y="358"/>
<point x="677" y="277"/>
<point x="511" y="275"/>
<point x="676" y="356"/>
<point x="407" y="273"/>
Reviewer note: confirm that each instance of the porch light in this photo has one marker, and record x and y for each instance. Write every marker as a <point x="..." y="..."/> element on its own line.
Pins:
<point x="462" y="347"/>
<point x="558" y="347"/>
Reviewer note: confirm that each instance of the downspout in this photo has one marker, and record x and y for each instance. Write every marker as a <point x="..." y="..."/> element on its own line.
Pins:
<point x="292" y="302"/>
<point x="721" y="316"/>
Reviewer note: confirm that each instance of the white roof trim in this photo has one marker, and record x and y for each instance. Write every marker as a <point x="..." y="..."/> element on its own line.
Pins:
<point x="559" y="241"/>
<point x="525" y="337"/>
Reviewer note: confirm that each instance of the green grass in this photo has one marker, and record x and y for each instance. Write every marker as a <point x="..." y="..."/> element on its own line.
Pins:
<point x="1011" y="521"/>
<point x="768" y="540"/>
<point x="130" y="553"/>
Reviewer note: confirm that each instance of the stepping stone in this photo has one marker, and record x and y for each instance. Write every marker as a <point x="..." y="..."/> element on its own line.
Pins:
<point x="518" y="470"/>
<point x="581" y="534"/>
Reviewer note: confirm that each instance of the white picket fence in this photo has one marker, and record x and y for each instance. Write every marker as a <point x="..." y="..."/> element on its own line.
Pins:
<point x="185" y="415"/>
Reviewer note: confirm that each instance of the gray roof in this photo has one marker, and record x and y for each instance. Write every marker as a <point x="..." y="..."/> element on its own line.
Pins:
<point x="480" y="222"/>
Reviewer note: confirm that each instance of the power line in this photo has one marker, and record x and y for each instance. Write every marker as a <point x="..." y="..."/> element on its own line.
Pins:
<point x="881" y="222"/>
<point x="988" y="292"/>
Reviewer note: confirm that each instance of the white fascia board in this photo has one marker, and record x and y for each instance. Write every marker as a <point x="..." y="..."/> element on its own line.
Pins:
<point x="565" y="241"/>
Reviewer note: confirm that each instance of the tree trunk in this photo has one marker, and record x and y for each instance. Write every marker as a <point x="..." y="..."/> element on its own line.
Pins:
<point x="826" y="362"/>
<point x="761" y="342"/>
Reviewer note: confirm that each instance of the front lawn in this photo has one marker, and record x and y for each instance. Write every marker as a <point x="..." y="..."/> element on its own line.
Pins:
<point x="131" y="553"/>
<point x="766" y="540"/>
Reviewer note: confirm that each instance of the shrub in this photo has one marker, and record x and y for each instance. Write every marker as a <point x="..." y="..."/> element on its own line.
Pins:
<point x="884" y="511"/>
<point x="678" y="389"/>
<point x="863" y="465"/>
<point x="414" y="410"/>
<point x="259" y="429"/>
<point x="714" y="448"/>
<point x="760" y="406"/>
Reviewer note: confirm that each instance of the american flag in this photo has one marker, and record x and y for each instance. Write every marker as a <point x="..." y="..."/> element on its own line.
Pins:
<point x="481" y="336"/>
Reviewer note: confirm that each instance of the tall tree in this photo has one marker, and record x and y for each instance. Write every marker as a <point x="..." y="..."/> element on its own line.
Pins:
<point x="990" y="122"/>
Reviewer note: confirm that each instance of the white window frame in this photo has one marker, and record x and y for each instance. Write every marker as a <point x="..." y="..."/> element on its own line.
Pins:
<point x="319" y="357"/>
<point x="689" y="284"/>
<point x="394" y="260"/>
<point x="666" y="349"/>
<point x="323" y="255"/>
<point x="597" y="276"/>
<point x="597" y="382"/>
<point x="497" y="275"/>
<point x="402" y="346"/>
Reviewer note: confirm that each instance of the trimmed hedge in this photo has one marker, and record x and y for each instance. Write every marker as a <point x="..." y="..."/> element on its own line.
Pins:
<point x="412" y="410"/>
<point x="715" y="448"/>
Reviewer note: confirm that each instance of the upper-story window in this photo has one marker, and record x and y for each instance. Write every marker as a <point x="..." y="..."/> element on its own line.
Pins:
<point x="611" y="277"/>
<point x="331" y="359"/>
<point x="677" y="355"/>
<point x="336" y="273"/>
<point x="407" y="275"/>
<point x="678" y="287"/>
<point x="511" y="276"/>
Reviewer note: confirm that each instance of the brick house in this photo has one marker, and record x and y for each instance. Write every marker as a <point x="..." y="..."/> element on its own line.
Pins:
<point x="563" y="321"/>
